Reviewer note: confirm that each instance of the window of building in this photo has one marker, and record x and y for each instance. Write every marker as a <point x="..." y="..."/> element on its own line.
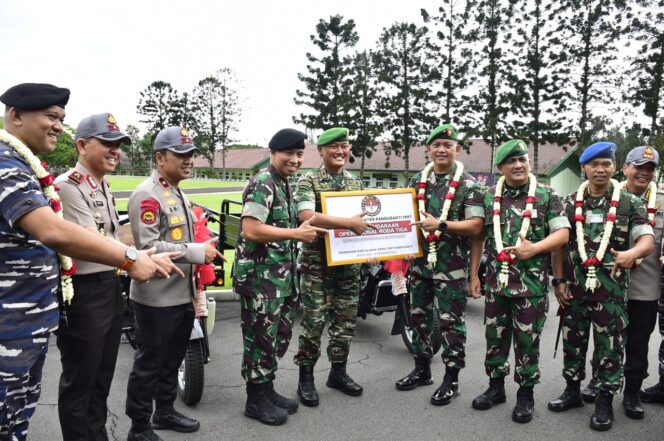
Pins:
<point x="393" y="182"/>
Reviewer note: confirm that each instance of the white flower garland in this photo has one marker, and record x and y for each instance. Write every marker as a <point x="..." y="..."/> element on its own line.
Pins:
<point x="651" y="193"/>
<point x="434" y="237"/>
<point x="579" y="219"/>
<point x="67" y="265"/>
<point x="508" y="258"/>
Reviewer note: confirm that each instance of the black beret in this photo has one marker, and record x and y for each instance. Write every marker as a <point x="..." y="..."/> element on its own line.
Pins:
<point x="286" y="139"/>
<point x="35" y="96"/>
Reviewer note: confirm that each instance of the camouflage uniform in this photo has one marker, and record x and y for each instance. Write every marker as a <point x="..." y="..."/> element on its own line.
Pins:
<point x="605" y="308"/>
<point x="264" y="275"/>
<point x="518" y="311"/>
<point x="328" y="294"/>
<point x="28" y="297"/>
<point x="445" y="284"/>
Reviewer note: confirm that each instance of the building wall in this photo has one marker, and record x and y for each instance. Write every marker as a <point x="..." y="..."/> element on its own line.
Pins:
<point x="565" y="182"/>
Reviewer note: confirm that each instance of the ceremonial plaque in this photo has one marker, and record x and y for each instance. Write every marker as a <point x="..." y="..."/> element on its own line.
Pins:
<point x="390" y="211"/>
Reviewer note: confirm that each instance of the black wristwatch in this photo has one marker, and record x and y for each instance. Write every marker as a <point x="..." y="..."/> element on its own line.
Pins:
<point x="557" y="281"/>
<point x="442" y="226"/>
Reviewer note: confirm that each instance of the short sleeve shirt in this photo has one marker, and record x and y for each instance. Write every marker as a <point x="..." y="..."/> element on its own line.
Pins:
<point x="645" y="284"/>
<point x="29" y="271"/>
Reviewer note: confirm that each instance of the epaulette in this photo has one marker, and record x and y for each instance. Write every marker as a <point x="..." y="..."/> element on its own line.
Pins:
<point x="76" y="177"/>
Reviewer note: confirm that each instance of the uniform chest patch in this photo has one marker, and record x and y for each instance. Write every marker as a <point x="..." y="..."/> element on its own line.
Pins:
<point x="176" y="233"/>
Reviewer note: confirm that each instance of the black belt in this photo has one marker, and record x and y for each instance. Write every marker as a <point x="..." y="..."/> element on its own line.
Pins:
<point x="96" y="277"/>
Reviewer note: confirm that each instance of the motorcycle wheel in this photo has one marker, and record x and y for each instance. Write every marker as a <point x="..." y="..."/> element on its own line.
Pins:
<point x="191" y="374"/>
<point x="407" y="329"/>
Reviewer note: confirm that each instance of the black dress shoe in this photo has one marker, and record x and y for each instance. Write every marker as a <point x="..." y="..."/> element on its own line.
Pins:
<point x="145" y="435"/>
<point x="589" y="393"/>
<point x="339" y="379"/>
<point x="171" y="419"/>
<point x="602" y="419"/>
<point x="525" y="406"/>
<point x="279" y="400"/>
<point x="653" y="394"/>
<point x="570" y="398"/>
<point x="495" y="394"/>
<point x="444" y="394"/>
<point x="306" y="389"/>
<point x="420" y="376"/>
<point x="632" y="405"/>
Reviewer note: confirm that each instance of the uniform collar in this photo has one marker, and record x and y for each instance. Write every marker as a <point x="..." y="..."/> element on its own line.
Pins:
<point x="275" y="174"/>
<point x="327" y="175"/>
<point x="158" y="179"/>
<point x="92" y="182"/>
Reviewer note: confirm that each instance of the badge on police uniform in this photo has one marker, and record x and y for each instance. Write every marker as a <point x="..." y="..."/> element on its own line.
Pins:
<point x="166" y="193"/>
<point x="177" y="219"/>
<point x="176" y="233"/>
<point x="171" y="201"/>
<point x="148" y="217"/>
<point x="93" y="194"/>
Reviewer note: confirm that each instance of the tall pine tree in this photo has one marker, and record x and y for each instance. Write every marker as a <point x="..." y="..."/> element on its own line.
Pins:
<point x="157" y="105"/>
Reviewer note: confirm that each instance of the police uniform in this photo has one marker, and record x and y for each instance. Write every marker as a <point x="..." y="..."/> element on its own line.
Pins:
<point x="29" y="274"/>
<point x="161" y="217"/>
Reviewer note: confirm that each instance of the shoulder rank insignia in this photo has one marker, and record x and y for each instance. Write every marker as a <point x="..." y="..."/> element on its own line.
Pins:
<point x="163" y="182"/>
<point x="76" y="176"/>
<point x="91" y="182"/>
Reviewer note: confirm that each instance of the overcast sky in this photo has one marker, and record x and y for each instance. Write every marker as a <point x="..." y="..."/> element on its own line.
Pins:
<point x="106" y="52"/>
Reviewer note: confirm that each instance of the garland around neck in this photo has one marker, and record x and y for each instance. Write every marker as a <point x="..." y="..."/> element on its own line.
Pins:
<point x="67" y="265"/>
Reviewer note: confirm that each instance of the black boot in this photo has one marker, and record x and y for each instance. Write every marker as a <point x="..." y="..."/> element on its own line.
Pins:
<point x="603" y="417"/>
<point x="306" y="389"/>
<point x="280" y="401"/>
<point x="448" y="390"/>
<point x="631" y="400"/>
<point x="570" y="398"/>
<point x="495" y="394"/>
<point x="653" y="394"/>
<point x="525" y="405"/>
<point x="420" y="376"/>
<point x="146" y="434"/>
<point x="339" y="379"/>
<point x="261" y="408"/>
<point x="589" y="393"/>
<point x="169" y="418"/>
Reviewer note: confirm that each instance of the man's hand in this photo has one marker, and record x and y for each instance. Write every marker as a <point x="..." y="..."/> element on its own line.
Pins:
<point x="307" y="233"/>
<point x="563" y="295"/>
<point x="144" y="268"/>
<point x="429" y="223"/>
<point x="211" y="250"/>
<point x="624" y="259"/>
<point x="358" y="225"/>
<point x="524" y="251"/>
<point x="163" y="261"/>
<point x="475" y="287"/>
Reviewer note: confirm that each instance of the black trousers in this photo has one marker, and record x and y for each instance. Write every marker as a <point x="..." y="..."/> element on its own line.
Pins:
<point x="162" y="335"/>
<point x="88" y="346"/>
<point x="642" y="318"/>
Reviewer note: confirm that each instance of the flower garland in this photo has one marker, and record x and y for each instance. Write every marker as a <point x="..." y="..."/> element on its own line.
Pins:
<point x="651" y="194"/>
<point x="432" y="238"/>
<point x="67" y="265"/>
<point x="504" y="257"/>
<point x="579" y="219"/>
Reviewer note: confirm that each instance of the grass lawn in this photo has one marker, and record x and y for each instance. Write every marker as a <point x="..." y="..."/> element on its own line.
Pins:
<point x="120" y="183"/>
<point x="212" y="201"/>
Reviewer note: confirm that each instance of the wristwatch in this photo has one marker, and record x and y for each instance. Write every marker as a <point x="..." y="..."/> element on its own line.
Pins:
<point x="442" y="226"/>
<point x="557" y="281"/>
<point x="131" y="256"/>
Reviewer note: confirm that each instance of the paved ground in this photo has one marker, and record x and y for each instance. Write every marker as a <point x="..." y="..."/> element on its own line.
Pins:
<point x="382" y="413"/>
<point x="126" y="193"/>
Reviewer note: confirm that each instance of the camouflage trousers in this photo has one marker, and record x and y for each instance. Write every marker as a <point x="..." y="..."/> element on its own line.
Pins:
<point x="450" y="299"/>
<point x="21" y="366"/>
<point x="519" y="320"/>
<point x="267" y="328"/>
<point x="609" y="321"/>
<point x="333" y="299"/>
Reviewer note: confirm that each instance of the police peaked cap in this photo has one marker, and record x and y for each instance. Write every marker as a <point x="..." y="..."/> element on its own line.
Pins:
<point x="287" y="139"/>
<point x="602" y="149"/>
<point x="35" y="96"/>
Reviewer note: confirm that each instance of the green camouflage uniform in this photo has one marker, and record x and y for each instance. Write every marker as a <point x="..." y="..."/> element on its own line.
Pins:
<point x="518" y="311"/>
<point x="445" y="283"/>
<point x="328" y="293"/>
<point x="264" y="275"/>
<point x="606" y="307"/>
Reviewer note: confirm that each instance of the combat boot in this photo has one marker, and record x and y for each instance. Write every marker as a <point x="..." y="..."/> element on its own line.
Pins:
<point x="603" y="417"/>
<point x="448" y="390"/>
<point x="589" y="393"/>
<point x="261" y="408"/>
<point x="306" y="389"/>
<point x="631" y="400"/>
<point x="525" y="405"/>
<point x="570" y="398"/>
<point x="420" y="376"/>
<point x="339" y="379"/>
<point x="143" y="435"/>
<point x="495" y="394"/>
<point x="653" y="394"/>
<point x="280" y="401"/>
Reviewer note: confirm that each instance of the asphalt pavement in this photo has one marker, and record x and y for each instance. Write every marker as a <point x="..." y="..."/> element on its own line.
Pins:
<point x="382" y="413"/>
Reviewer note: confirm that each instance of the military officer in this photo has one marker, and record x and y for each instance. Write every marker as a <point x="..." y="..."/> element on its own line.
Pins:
<point x="524" y="223"/>
<point x="451" y="205"/>
<point x="596" y="267"/>
<point x="329" y="294"/>
<point x="264" y="275"/>
<point x="161" y="217"/>
<point x="31" y="233"/>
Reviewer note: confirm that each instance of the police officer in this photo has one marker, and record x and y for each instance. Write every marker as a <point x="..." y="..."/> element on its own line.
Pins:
<point x="596" y="268"/>
<point x="328" y="294"/>
<point x="32" y="232"/>
<point x="161" y="217"/>
<point x="264" y="275"/>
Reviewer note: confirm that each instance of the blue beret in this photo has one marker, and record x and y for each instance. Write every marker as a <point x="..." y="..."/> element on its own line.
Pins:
<point x="35" y="96"/>
<point x="600" y="149"/>
<point x="287" y="139"/>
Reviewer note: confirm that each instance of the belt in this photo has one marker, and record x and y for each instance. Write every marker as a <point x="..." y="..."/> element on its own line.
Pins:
<point x="97" y="277"/>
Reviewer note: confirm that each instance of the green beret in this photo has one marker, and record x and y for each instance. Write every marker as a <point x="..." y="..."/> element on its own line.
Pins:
<point x="446" y="131"/>
<point x="332" y="135"/>
<point x="513" y="147"/>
